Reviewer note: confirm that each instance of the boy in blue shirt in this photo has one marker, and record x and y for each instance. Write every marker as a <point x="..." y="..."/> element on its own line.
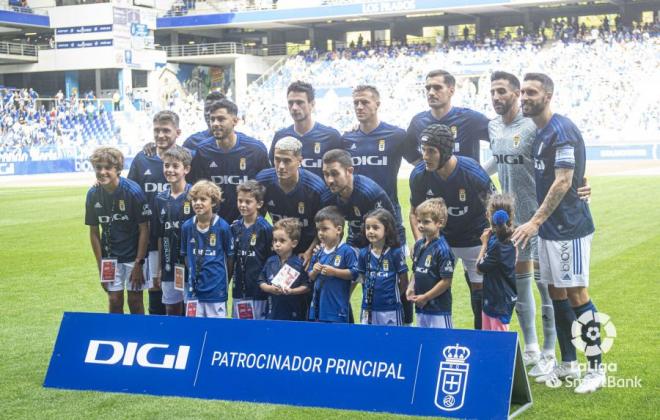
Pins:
<point x="253" y="236"/>
<point x="433" y="268"/>
<point x="120" y="207"/>
<point x="287" y="298"/>
<point x="333" y="269"/>
<point x="171" y="209"/>
<point x="208" y="248"/>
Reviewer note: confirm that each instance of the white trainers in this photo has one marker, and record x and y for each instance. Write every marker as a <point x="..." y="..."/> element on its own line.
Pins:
<point x="544" y="366"/>
<point x="531" y="357"/>
<point x="593" y="380"/>
<point x="561" y="371"/>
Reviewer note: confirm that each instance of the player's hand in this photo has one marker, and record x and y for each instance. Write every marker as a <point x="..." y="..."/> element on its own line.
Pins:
<point x="328" y="270"/>
<point x="584" y="192"/>
<point x="276" y="290"/>
<point x="421" y="300"/>
<point x="306" y="257"/>
<point x="137" y="277"/>
<point x="157" y="282"/>
<point x="485" y="236"/>
<point x="524" y="233"/>
<point x="286" y="290"/>
<point x="149" y="149"/>
<point x="410" y="295"/>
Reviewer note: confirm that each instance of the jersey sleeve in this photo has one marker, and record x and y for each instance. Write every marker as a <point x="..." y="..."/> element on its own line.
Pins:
<point x="197" y="171"/>
<point x="134" y="171"/>
<point x="90" y="214"/>
<point x="399" y="259"/>
<point x="141" y="209"/>
<point x="417" y="193"/>
<point x="327" y="198"/>
<point x="350" y="261"/>
<point x="361" y="267"/>
<point x="445" y="263"/>
<point x="411" y="141"/>
<point x="262" y="161"/>
<point x="489" y="261"/>
<point x="410" y="150"/>
<point x="567" y="138"/>
<point x="263" y="274"/>
<point x="227" y="240"/>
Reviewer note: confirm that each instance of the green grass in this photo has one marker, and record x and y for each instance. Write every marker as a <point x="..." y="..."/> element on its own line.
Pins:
<point x="46" y="268"/>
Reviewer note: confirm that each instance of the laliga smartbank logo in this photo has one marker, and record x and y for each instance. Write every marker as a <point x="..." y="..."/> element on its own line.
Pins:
<point x="150" y="355"/>
<point x="585" y="333"/>
<point x="452" y="378"/>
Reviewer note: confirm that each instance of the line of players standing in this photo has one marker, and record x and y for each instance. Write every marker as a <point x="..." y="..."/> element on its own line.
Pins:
<point x="363" y="178"/>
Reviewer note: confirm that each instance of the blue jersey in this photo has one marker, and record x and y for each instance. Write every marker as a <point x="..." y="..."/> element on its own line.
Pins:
<point x="431" y="264"/>
<point x="286" y="307"/>
<point x="229" y="168"/>
<point x="118" y="213"/>
<point x="380" y="278"/>
<point x="252" y="246"/>
<point x="366" y="196"/>
<point x="169" y="214"/>
<point x="560" y="145"/>
<point x="465" y="193"/>
<point x="147" y="172"/>
<point x="468" y="127"/>
<point x="315" y="143"/>
<point x="330" y="302"/>
<point x="194" y="140"/>
<point x="377" y="155"/>
<point x="499" y="269"/>
<point x="303" y="202"/>
<point x="206" y="255"/>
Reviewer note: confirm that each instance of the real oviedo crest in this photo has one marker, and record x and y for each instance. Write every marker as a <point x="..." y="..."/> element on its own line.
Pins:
<point x="452" y="378"/>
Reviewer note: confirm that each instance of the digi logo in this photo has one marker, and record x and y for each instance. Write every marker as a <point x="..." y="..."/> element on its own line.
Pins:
<point x="103" y="352"/>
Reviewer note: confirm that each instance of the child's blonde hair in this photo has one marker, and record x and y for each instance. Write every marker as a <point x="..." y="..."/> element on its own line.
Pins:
<point x="110" y="155"/>
<point x="207" y="189"/>
<point x="434" y="208"/>
<point x="290" y="226"/>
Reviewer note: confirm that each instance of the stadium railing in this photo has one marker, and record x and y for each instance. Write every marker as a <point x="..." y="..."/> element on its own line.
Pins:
<point x="28" y="50"/>
<point x="220" y="48"/>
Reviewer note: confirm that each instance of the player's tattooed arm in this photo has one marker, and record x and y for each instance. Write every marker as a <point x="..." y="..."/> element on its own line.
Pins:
<point x="556" y="193"/>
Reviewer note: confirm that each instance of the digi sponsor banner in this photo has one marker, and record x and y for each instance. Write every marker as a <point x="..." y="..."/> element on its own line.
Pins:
<point x="85" y="44"/>
<point x="430" y="372"/>
<point x="75" y="30"/>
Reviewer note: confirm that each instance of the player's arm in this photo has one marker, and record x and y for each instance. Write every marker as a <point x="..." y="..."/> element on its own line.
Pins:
<point x="490" y="166"/>
<point x="403" y="283"/>
<point x="307" y="255"/>
<point x="95" y="241"/>
<point x="556" y="193"/>
<point x="439" y="288"/>
<point x="149" y="149"/>
<point x="412" y="218"/>
<point x="137" y="278"/>
<point x="410" y="291"/>
<point x="584" y="192"/>
<point x="340" y="273"/>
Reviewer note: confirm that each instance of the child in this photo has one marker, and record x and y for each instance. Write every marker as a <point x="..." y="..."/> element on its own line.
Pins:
<point x="171" y="209"/>
<point x="497" y="261"/>
<point x="208" y="247"/>
<point x="333" y="269"/>
<point x="287" y="300"/>
<point x="120" y="207"/>
<point x="253" y="236"/>
<point x="383" y="270"/>
<point x="433" y="267"/>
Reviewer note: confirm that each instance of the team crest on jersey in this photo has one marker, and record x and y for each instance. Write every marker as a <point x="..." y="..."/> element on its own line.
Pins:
<point x="461" y="194"/>
<point x="516" y="140"/>
<point x="449" y="267"/>
<point x="241" y="164"/>
<point x="337" y="260"/>
<point x="317" y="147"/>
<point x="427" y="262"/>
<point x="212" y="239"/>
<point x="356" y="210"/>
<point x="454" y="130"/>
<point x="301" y="207"/>
<point x="386" y="265"/>
<point x="122" y="205"/>
<point x="381" y="145"/>
<point x="186" y="207"/>
<point x="253" y="239"/>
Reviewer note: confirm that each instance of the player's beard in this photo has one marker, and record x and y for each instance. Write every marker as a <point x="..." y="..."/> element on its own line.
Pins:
<point x="532" y="109"/>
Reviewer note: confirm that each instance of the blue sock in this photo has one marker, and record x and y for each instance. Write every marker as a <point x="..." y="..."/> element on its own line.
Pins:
<point x="594" y="360"/>
<point x="476" y="299"/>
<point x="564" y="317"/>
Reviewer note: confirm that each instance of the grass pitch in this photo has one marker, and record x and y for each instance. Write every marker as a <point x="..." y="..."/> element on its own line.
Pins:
<point x="47" y="267"/>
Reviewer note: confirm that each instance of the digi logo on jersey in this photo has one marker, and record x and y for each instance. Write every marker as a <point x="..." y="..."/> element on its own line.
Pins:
<point x="150" y="187"/>
<point x="151" y="355"/>
<point x="115" y="217"/>
<point x="509" y="159"/>
<point x="312" y="163"/>
<point x="229" y="179"/>
<point x="452" y="378"/>
<point x="457" y="211"/>
<point x="369" y="160"/>
<point x="539" y="165"/>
